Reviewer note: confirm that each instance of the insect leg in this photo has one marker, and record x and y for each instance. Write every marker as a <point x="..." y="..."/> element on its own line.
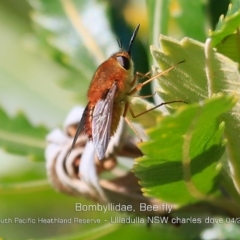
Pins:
<point x="140" y="85"/>
<point x="146" y="96"/>
<point x="159" y="105"/>
<point x="128" y="122"/>
<point x="139" y="75"/>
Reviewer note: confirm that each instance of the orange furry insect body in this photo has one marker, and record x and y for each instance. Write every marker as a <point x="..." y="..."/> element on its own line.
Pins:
<point x="110" y="72"/>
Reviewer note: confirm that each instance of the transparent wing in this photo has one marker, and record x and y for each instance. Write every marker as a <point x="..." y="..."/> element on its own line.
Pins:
<point x="101" y="122"/>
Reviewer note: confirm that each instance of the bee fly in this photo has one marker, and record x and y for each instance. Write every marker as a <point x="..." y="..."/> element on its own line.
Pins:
<point x="109" y="96"/>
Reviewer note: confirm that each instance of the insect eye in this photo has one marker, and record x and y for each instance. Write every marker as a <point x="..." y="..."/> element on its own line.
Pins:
<point x="124" y="62"/>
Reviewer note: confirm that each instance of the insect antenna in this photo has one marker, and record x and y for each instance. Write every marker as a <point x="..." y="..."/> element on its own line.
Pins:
<point x="119" y="41"/>
<point x="132" y="39"/>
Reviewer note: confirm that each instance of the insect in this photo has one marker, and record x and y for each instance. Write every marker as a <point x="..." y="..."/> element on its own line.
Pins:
<point x="108" y="98"/>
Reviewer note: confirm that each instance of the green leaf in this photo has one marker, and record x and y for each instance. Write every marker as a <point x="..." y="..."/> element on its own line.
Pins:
<point x="168" y="17"/>
<point x="29" y="81"/>
<point x="191" y="12"/>
<point x="183" y="168"/>
<point x="230" y="47"/>
<point x="227" y="25"/>
<point x="204" y="73"/>
<point x="157" y="10"/>
<point x="19" y="136"/>
<point x="67" y="28"/>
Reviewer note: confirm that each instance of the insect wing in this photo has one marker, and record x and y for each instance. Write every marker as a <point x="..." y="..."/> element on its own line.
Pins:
<point x="101" y="122"/>
<point x="80" y="128"/>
